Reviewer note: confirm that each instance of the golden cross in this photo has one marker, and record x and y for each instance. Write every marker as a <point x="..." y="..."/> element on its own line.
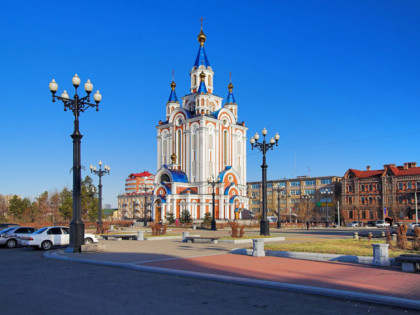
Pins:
<point x="173" y="74"/>
<point x="230" y="77"/>
<point x="201" y="21"/>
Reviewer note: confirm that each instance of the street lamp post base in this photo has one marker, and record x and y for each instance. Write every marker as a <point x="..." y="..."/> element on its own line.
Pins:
<point x="99" y="227"/>
<point x="264" y="227"/>
<point x="213" y="225"/>
<point x="77" y="237"/>
<point x="278" y="224"/>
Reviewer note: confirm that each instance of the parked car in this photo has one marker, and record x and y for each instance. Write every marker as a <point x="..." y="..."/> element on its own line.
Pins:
<point x="48" y="237"/>
<point x="412" y="225"/>
<point x="272" y="219"/>
<point x="353" y="224"/>
<point x="381" y="223"/>
<point x="371" y="223"/>
<point x="7" y="225"/>
<point x="10" y="237"/>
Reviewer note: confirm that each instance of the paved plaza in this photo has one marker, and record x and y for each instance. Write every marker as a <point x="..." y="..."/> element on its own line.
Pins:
<point x="387" y="285"/>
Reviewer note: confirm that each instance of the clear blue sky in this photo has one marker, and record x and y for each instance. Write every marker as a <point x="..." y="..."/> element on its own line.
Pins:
<point x="339" y="81"/>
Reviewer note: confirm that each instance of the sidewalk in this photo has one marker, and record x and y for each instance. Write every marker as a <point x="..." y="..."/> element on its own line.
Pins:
<point x="212" y="261"/>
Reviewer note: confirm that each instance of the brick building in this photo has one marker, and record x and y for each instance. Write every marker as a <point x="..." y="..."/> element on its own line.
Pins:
<point x="387" y="193"/>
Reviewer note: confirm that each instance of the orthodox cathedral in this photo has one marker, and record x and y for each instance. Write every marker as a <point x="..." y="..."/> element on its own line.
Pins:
<point x="200" y="140"/>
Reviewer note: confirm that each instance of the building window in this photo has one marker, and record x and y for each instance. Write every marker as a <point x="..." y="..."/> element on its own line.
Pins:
<point x="363" y="200"/>
<point x="297" y="183"/>
<point x="400" y="186"/>
<point x="350" y="214"/>
<point x="255" y="202"/>
<point x="362" y="187"/>
<point x="350" y="188"/>
<point x="225" y="148"/>
<point x="370" y="200"/>
<point x="270" y="185"/>
<point x="255" y="186"/>
<point x="310" y="192"/>
<point x="409" y="185"/>
<point x="309" y="182"/>
<point x="363" y="214"/>
<point x="179" y="147"/>
<point x="281" y="184"/>
<point x="326" y="181"/>
<point x="370" y="187"/>
<point x="350" y="200"/>
<point x="295" y="192"/>
<point x="255" y="194"/>
<point x="209" y="80"/>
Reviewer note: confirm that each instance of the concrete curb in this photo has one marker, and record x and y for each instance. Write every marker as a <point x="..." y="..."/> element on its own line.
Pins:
<point x="249" y="240"/>
<point x="160" y="238"/>
<point x="364" y="260"/>
<point x="342" y="294"/>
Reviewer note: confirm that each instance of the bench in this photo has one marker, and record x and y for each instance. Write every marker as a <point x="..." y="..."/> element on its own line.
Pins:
<point x="120" y="237"/>
<point x="410" y="263"/>
<point x="208" y="239"/>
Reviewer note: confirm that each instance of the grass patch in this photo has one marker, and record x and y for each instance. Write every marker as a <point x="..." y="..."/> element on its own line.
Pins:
<point x="339" y="247"/>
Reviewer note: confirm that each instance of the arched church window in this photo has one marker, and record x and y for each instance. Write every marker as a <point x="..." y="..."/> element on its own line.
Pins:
<point x="194" y="79"/>
<point x="164" y="178"/>
<point x="210" y="81"/>
<point x="179" y="146"/>
<point x="164" y="150"/>
<point x="202" y="102"/>
<point x="225" y="148"/>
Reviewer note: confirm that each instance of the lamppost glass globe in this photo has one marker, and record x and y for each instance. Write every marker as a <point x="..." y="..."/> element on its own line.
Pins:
<point x="264" y="132"/>
<point x="94" y="168"/>
<point x="252" y="141"/>
<point x="91" y="166"/>
<point x="100" y="163"/>
<point x="256" y="136"/>
<point x="97" y="96"/>
<point x="88" y="86"/>
<point x="65" y="95"/>
<point x="272" y="140"/>
<point x="53" y="86"/>
<point x="75" y="80"/>
<point x="277" y="136"/>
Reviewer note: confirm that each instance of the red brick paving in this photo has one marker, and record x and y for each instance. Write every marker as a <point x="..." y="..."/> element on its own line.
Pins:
<point x="351" y="277"/>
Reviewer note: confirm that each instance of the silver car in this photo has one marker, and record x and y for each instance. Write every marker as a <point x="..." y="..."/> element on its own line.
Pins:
<point x="11" y="237"/>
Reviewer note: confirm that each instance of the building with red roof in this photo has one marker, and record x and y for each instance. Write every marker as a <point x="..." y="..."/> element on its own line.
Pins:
<point x="385" y="194"/>
<point x="134" y="201"/>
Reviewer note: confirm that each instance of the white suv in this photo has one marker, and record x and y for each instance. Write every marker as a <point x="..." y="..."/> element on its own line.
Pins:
<point x="381" y="223"/>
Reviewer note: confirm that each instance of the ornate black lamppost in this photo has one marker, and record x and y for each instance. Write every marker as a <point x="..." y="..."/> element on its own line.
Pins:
<point x="213" y="183"/>
<point x="146" y="203"/>
<point x="264" y="147"/>
<point x="326" y="194"/>
<point x="135" y="204"/>
<point x="278" y="189"/>
<point x="306" y="198"/>
<point x="101" y="172"/>
<point x="76" y="105"/>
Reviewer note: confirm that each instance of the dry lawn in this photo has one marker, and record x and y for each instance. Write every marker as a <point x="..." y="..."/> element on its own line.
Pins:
<point x="340" y="247"/>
